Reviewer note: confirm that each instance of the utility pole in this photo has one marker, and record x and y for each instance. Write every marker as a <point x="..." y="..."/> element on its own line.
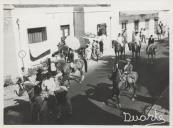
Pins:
<point x="110" y="30"/>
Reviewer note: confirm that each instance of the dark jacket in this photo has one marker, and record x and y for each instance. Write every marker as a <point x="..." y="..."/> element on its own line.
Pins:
<point x="150" y="41"/>
<point x="71" y="57"/>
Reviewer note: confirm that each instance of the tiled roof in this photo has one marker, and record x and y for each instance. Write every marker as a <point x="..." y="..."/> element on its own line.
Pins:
<point x="138" y="12"/>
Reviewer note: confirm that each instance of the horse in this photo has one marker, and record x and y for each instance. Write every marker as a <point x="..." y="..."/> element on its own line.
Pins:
<point x="118" y="49"/>
<point x="41" y="103"/>
<point x="39" y="108"/>
<point x="151" y="50"/>
<point x="66" y="69"/>
<point x="129" y="83"/>
<point x="136" y="49"/>
<point x="115" y="78"/>
<point x="63" y="50"/>
<point x="120" y="82"/>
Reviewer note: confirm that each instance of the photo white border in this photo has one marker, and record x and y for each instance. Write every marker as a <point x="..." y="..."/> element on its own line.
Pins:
<point x="123" y="5"/>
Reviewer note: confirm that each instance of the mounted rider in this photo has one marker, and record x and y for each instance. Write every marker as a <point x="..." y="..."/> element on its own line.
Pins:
<point x="137" y="39"/>
<point x="120" y="39"/>
<point x="128" y="69"/>
<point x="124" y="35"/>
<point x="150" y="42"/>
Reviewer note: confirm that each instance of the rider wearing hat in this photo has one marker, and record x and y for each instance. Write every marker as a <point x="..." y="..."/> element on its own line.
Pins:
<point x="128" y="68"/>
<point x="120" y="39"/>
<point x="150" y="41"/>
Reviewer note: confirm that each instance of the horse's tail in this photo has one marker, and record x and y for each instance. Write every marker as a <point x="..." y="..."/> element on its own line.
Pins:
<point x="86" y="64"/>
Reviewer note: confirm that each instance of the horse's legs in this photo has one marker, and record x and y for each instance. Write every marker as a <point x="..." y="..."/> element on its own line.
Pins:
<point x="82" y="75"/>
<point x="133" y="54"/>
<point x="121" y="55"/>
<point x="148" y="58"/>
<point x="116" y="93"/>
<point x="134" y="92"/>
<point x="151" y="58"/>
<point x="115" y="53"/>
<point x="118" y="55"/>
<point x="136" y="54"/>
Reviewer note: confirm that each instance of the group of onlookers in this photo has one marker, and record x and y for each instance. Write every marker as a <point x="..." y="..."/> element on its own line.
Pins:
<point x="47" y="92"/>
<point x="138" y="37"/>
<point x="95" y="48"/>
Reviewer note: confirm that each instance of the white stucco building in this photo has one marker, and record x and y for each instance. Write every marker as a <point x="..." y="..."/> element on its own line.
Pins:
<point x="36" y="27"/>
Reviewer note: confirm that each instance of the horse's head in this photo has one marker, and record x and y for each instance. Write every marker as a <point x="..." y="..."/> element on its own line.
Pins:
<point x="117" y="70"/>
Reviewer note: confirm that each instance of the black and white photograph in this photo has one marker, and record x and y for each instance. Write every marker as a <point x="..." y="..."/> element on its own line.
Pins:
<point x="86" y="62"/>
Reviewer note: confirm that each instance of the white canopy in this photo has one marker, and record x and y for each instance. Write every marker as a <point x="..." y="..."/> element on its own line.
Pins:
<point x="72" y="42"/>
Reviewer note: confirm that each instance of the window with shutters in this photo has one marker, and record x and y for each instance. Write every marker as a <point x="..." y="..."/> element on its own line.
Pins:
<point x="36" y="35"/>
<point x="124" y="25"/>
<point x="101" y="29"/>
<point x="65" y="31"/>
<point x="147" y="24"/>
<point x="136" y="25"/>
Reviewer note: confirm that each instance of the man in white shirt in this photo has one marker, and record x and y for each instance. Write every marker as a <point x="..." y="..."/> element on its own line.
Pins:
<point x="137" y="39"/>
<point x="120" y="39"/>
<point x="143" y="36"/>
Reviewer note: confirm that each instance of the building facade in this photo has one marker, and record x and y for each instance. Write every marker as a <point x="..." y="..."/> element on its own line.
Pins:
<point x="135" y="20"/>
<point x="36" y="29"/>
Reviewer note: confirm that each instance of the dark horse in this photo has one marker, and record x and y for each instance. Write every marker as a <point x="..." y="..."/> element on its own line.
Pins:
<point x="136" y="49"/>
<point x="118" y="49"/>
<point x="151" y="50"/>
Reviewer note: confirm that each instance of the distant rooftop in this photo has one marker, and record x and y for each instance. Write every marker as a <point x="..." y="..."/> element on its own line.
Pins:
<point x="57" y="3"/>
<point x="138" y="12"/>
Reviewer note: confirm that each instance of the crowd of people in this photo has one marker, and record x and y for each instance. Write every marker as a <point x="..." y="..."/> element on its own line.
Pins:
<point x="138" y="37"/>
<point x="47" y="92"/>
<point x="95" y="48"/>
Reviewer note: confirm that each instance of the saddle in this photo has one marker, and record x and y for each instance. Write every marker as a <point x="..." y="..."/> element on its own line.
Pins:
<point x="128" y="77"/>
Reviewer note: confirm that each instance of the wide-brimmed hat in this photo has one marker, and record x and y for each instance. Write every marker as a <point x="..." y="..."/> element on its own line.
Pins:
<point x="128" y="59"/>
